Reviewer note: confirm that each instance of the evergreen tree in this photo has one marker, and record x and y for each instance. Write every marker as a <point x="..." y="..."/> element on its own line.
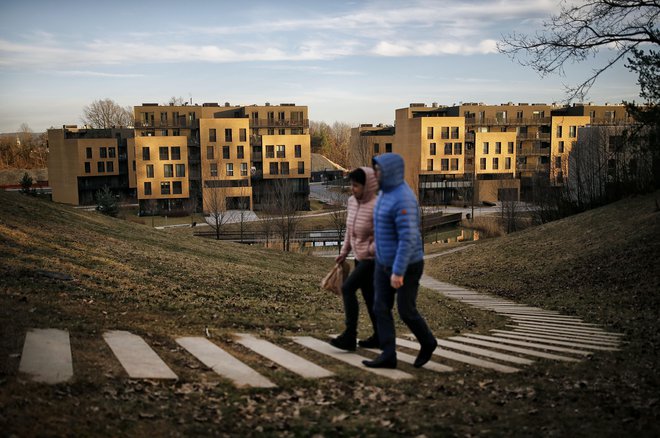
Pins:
<point x="106" y="202"/>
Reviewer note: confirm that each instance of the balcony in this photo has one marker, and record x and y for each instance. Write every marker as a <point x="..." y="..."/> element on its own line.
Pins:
<point x="166" y="124"/>
<point x="276" y="123"/>
<point x="474" y="121"/>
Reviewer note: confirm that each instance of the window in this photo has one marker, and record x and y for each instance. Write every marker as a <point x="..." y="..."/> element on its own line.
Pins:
<point x="271" y="131"/>
<point x="280" y="115"/>
<point x="454" y="132"/>
<point x="168" y="170"/>
<point x="281" y="151"/>
<point x="284" y="168"/>
<point x="177" y="187"/>
<point x="88" y="153"/>
<point x="109" y="166"/>
<point x="273" y="168"/>
<point x="214" y="169"/>
<point x="432" y="150"/>
<point x="496" y="163"/>
<point x="572" y="131"/>
<point x="388" y="147"/>
<point x="164" y="153"/>
<point x="559" y="131"/>
<point x="270" y="151"/>
<point x="147" y="188"/>
<point x="112" y="152"/>
<point x="498" y="147"/>
<point x="103" y="152"/>
<point x="458" y="148"/>
<point x="507" y="163"/>
<point x="281" y="131"/>
<point x="301" y="167"/>
<point x="448" y="148"/>
<point x="519" y="115"/>
<point x="165" y="188"/>
<point x="444" y="164"/>
<point x="429" y="133"/>
<point x="297" y="151"/>
<point x="376" y="148"/>
<point x="225" y="152"/>
<point x="543" y="160"/>
<point x="163" y="117"/>
<point x="88" y="167"/>
<point x="240" y="152"/>
<point x="510" y="147"/>
<point x="180" y="170"/>
<point x="212" y="135"/>
<point x="228" y="135"/>
<point x="242" y="134"/>
<point x="500" y="116"/>
<point x="485" y="147"/>
<point x="429" y="164"/>
<point x="454" y="164"/>
<point x="100" y="166"/>
<point x="209" y="152"/>
<point x="482" y="163"/>
<point x="558" y="162"/>
<point x="230" y="169"/>
<point x="561" y="147"/>
<point x="176" y="153"/>
<point x="445" y="132"/>
<point x="244" y="169"/>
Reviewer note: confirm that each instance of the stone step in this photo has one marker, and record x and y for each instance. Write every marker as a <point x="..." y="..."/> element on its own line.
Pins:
<point x="594" y="339"/>
<point x="223" y="363"/>
<point x="554" y="341"/>
<point x="282" y="357"/>
<point x="484" y="352"/>
<point x="566" y="329"/>
<point x="505" y="347"/>
<point x="348" y="357"/>
<point x="460" y="357"/>
<point x="538" y="345"/>
<point x="46" y="356"/>
<point x="553" y="319"/>
<point x="135" y="355"/>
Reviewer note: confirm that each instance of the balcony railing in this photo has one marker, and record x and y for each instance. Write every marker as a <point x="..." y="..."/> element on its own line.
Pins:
<point x="277" y="123"/>
<point x="508" y="121"/>
<point x="165" y="125"/>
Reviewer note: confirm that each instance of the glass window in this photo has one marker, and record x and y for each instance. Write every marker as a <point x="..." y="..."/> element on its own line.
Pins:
<point x="454" y="164"/>
<point x="432" y="150"/>
<point x="214" y="169"/>
<point x="485" y="147"/>
<point x="112" y="152"/>
<point x="164" y="153"/>
<point x="209" y="152"/>
<point x="147" y="188"/>
<point x="454" y="132"/>
<point x="498" y="147"/>
<point x="376" y="148"/>
<point x="244" y="169"/>
<point x="168" y="170"/>
<point x="103" y="152"/>
<point x="507" y="163"/>
<point x="297" y="151"/>
<point x="270" y="151"/>
<point x="176" y="153"/>
<point x="561" y="147"/>
<point x="100" y="166"/>
<point x="482" y="163"/>
<point x="109" y="166"/>
<point x="444" y="164"/>
<point x="388" y="147"/>
<point x="228" y="135"/>
<point x="572" y="131"/>
<point x="177" y="188"/>
<point x="165" y="188"/>
<point x="445" y="132"/>
<point x="285" y="168"/>
<point x="429" y="164"/>
<point x="281" y="151"/>
<point x="273" y="168"/>
<point x="88" y="167"/>
<point x="429" y="133"/>
<point x="448" y="147"/>
<point x="240" y="152"/>
<point x="150" y="170"/>
<point x="559" y="131"/>
<point x="180" y="170"/>
<point x="510" y="146"/>
<point x="496" y="163"/>
<point x="242" y="134"/>
<point x="458" y="148"/>
<point x="212" y="137"/>
<point x="230" y="169"/>
<point x="225" y="152"/>
<point x="301" y="167"/>
<point x="88" y="153"/>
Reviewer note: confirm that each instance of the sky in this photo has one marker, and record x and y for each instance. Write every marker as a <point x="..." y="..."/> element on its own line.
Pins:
<point x="348" y="61"/>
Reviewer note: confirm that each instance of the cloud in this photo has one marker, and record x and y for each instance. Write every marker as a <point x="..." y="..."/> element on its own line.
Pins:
<point x="98" y="74"/>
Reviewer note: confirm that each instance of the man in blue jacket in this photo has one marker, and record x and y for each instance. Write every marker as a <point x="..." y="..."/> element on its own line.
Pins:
<point x="399" y="262"/>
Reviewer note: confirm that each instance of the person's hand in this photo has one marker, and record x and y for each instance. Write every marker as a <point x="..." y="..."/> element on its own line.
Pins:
<point x="396" y="281"/>
<point x="340" y="258"/>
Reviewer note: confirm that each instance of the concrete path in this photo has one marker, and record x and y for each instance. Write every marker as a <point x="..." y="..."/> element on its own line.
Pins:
<point x="137" y="358"/>
<point x="47" y="356"/>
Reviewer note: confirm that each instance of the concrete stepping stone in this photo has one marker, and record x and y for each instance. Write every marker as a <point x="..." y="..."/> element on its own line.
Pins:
<point x="594" y="339"/>
<point x="137" y="358"/>
<point x="541" y="346"/>
<point x="224" y="363"/>
<point x="347" y="357"/>
<point x="47" y="356"/>
<point x="525" y="351"/>
<point x="282" y="357"/>
<point x="553" y="319"/>
<point x="409" y="358"/>
<point x="570" y="329"/>
<point x="554" y="341"/>
<point x="460" y="357"/>
<point x="483" y="352"/>
<point x="562" y="337"/>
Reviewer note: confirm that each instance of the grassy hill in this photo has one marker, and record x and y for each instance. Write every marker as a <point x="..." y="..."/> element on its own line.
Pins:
<point x="601" y="266"/>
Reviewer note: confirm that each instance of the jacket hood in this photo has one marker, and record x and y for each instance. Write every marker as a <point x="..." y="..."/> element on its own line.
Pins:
<point x="391" y="170"/>
<point x="370" y="186"/>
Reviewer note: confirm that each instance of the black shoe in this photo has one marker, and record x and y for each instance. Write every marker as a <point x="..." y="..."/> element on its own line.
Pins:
<point x="425" y="354"/>
<point x="381" y="362"/>
<point x="344" y="342"/>
<point x="370" y="342"/>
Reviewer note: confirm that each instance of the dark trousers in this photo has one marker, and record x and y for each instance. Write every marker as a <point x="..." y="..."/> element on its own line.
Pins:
<point x="406" y="299"/>
<point x="361" y="278"/>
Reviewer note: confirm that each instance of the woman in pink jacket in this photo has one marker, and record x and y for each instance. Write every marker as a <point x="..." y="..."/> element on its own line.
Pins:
<point x="359" y="238"/>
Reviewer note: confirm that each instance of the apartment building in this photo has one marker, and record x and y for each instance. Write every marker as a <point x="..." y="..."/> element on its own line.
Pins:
<point x="367" y="141"/>
<point x="83" y="161"/>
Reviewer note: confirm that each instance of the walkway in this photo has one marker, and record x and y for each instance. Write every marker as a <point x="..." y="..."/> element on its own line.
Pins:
<point x="533" y="334"/>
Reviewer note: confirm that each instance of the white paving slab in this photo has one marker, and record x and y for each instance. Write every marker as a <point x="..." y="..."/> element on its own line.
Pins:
<point x="460" y="357"/>
<point x="539" y="345"/>
<point x="135" y="355"/>
<point x="224" y="363"/>
<point x="560" y="337"/>
<point x="505" y="347"/>
<point x="483" y="352"/>
<point x="409" y="358"/>
<point x="555" y="342"/>
<point x="282" y="357"/>
<point x="349" y="358"/>
<point x="593" y="339"/>
<point x="568" y="329"/>
<point x="554" y="320"/>
<point x="47" y="356"/>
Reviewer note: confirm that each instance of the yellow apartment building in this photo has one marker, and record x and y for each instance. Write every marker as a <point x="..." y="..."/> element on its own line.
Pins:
<point x="82" y="161"/>
<point x="367" y="141"/>
<point x="495" y="169"/>
<point x="565" y="135"/>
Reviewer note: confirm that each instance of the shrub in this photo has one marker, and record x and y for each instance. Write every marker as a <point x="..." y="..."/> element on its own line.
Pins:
<point x="106" y="202"/>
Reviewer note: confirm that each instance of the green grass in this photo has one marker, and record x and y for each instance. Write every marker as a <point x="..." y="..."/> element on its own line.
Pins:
<point x="601" y="266"/>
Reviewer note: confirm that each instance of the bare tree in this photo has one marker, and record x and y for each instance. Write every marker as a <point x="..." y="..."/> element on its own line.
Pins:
<point x="190" y="207"/>
<point x="339" y="201"/>
<point x="287" y="208"/>
<point x="580" y="31"/>
<point x="269" y="212"/>
<point x="243" y="205"/>
<point x="360" y="154"/>
<point x="215" y="204"/>
<point x="106" y="113"/>
<point x="176" y="101"/>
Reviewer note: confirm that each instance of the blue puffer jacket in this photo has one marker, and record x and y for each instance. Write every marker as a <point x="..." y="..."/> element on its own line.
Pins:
<point x="396" y="218"/>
